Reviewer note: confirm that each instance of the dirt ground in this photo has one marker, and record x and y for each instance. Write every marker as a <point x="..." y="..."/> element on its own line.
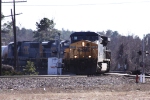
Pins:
<point x="134" y="92"/>
<point x="94" y="95"/>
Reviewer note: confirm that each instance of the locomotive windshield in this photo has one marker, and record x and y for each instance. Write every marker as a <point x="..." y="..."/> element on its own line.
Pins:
<point x="77" y="36"/>
<point x="90" y="38"/>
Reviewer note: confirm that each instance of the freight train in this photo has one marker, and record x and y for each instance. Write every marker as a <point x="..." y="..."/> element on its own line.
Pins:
<point x="87" y="54"/>
<point x="37" y="52"/>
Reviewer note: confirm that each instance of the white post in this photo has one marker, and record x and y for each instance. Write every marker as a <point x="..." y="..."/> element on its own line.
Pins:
<point x="141" y="80"/>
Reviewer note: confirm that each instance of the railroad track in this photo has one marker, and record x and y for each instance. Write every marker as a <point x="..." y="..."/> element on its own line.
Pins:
<point x="125" y="74"/>
<point x="70" y="75"/>
<point x="42" y="76"/>
<point x="48" y="76"/>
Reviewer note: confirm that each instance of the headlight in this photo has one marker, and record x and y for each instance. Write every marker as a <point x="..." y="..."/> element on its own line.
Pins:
<point x="89" y="56"/>
<point x="83" y="44"/>
<point x="75" y="56"/>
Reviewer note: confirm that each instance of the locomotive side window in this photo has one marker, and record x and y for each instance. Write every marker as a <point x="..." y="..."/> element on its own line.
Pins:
<point x="75" y="38"/>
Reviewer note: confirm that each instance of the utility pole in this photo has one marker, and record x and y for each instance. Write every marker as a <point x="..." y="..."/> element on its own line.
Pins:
<point x="143" y="56"/>
<point x="15" y="40"/>
<point x="142" y="76"/>
<point x="58" y="45"/>
<point x="14" y="30"/>
<point x="12" y="14"/>
<point x="58" y="54"/>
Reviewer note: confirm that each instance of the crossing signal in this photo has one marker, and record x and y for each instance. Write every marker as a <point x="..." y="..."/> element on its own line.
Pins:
<point x="147" y="53"/>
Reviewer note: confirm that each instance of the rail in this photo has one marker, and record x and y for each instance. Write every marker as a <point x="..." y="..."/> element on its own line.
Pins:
<point x="41" y="76"/>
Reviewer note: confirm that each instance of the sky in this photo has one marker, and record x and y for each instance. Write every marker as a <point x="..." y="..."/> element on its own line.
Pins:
<point x="128" y="17"/>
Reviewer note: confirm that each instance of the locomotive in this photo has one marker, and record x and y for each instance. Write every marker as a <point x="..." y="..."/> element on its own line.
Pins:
<point x="37" y="52"/>
<point x="87" y="54"/>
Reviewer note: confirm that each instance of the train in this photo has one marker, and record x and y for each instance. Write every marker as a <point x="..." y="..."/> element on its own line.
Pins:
<point x="87" y="54"/>
<point x="37" y="52"/>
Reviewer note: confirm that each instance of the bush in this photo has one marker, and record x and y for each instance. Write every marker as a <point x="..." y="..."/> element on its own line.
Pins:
<point x="30" y="69"/>
<point x="9" y="70"/>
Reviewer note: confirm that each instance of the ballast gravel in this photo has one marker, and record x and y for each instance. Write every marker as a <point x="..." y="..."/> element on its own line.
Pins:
<point x="67" y="84"/>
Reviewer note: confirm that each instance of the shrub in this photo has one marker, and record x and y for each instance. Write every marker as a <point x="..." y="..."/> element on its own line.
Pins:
<point x="9" y="70"/>
<point x="30" y="69"/>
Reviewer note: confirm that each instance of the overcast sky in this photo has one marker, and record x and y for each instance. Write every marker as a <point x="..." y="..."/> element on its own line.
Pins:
<point x="124" y="16"/>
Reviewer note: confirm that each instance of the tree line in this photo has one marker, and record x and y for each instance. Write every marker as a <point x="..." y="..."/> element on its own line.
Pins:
<point x="124" y="49"/>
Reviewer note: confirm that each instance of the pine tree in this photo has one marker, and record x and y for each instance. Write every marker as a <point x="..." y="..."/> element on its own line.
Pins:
<point x="30" y="69"/>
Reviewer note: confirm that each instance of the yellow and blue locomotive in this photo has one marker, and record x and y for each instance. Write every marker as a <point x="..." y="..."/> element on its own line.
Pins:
<point x="87" y="54"/>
